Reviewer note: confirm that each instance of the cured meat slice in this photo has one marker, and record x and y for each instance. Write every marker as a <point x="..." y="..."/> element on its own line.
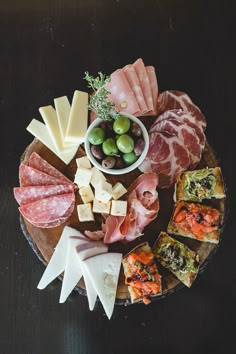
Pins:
<point x="167" y="157"/>
<point x="29" y="194"/>
<point x="185" y="117"/>
<point x="154" y="87"/>
<point x="38" y="163"/>
<point x="29" y="176"/>
<point x="121" y="93"/>
<point x="49" y="212"/>
<point x="169" y="100"/>
<point x="173" y="126"/>
<point x="141" y="72"/>
<point x="135" y="85"/>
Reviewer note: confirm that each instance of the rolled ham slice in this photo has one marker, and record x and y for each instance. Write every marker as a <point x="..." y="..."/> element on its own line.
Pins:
<point x="154" y="88"/>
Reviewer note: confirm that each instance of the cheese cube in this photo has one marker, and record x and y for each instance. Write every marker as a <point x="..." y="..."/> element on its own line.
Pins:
<point x="103" y="192"/>
<point x="82" y="177"/>
<point x="118" y="190"/>
<point x="99" y="207"/>
<point x="78" y="119"/>
<point x="85" y="212"/>
<point x="86" y="194"/>
<point x="83" y="162"/>
<point x="118" y="207"/>
<point x="97" y="177"/>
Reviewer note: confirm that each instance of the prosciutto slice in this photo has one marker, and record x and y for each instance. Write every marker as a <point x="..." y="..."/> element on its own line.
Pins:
<point x="169" y="100"/>
<point x="143" y="206"/>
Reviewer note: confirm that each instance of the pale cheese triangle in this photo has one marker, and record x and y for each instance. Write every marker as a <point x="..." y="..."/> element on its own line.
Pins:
<point x="104" y="272"/>
<point x="63" y="108"/>
<point x="57" y="262"/>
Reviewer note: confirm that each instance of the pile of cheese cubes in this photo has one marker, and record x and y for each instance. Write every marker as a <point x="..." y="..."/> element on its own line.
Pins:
<point x="98" y="195"/>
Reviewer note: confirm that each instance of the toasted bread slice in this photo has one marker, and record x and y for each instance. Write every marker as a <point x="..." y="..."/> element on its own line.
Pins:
<point x="143" y="280"/>
<point x="177" y="257"/>
<point x="194" y="221"/>
<point x="201" y="184"/>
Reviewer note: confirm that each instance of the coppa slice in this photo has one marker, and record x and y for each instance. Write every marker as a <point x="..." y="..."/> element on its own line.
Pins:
<point x="29" y="194"/>
<point x="197" y="221"/>
<point x="48" y="211"/>
<point x="177" y="257"/>
<point x="141" y="274"/>
<point x="38" y="163"/>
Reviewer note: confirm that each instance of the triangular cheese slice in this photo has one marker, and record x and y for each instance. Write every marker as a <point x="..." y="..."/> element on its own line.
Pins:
<point x="104" y="272"/>
<point x="57" y="262"/>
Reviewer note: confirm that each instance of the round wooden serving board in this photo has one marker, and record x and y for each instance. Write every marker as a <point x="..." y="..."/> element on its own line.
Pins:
<point x="43" y="241"/>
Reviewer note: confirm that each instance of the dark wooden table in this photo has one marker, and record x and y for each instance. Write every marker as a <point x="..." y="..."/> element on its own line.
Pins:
<point x="45" y="48"/>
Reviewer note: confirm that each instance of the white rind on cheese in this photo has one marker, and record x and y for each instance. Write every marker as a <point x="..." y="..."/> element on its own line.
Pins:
<point x="104" y="272"/>
<point x="85" y="212"/>
<point x="118" y="190"/>
<point x="40" y="131"/>
<point x="63" y="109"/>
<point x="57" y="262"/>
<point x="119" y="207"/>
<point x="78" y="119"/>
<point x="102" y="208"/>
<point x="86" y="194"/>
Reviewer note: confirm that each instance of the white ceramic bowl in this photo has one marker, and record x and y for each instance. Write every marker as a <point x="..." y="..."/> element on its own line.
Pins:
<point x="127" y="169"/>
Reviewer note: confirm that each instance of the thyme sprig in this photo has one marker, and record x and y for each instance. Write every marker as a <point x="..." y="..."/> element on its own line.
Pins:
<point x="98" y="102"/>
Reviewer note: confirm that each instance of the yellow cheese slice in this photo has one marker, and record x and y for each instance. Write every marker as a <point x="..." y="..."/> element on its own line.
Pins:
<point x="40" y="131"/>
<point x="63" y="109"/>
<point x="78" y="120"/>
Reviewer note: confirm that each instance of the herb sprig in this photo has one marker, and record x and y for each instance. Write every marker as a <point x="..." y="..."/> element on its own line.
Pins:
<point x="98" y="102"/>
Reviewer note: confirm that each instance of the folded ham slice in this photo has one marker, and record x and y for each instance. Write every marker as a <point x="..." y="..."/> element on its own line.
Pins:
<point x="143" y="207"/>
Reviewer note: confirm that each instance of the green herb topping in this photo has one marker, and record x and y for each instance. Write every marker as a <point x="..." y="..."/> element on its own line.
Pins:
<point x="199" y="184"/>
<point x="141" y="266"/>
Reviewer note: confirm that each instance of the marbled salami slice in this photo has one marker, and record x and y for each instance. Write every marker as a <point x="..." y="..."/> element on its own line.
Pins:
<point x="29" y="194"/>
<point x="29" y="176"/>
<point x="121" y="93"/>
<point x="38" y="163"/>
<point x="169" y="100"/>
<point x="141" y="72"/>
<point x="48" y="211"/>
<point x="167" y="157"/>
<point x="170" y="124"/>
<point x="135" y="85"/>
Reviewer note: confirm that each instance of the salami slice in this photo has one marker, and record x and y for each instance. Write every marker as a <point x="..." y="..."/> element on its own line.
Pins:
<point x="169" y="100"/>
<point x="121" y="93"/>
<point x="173" y="126"/>
<point x="38" y="163"/>
<point x="49" y="211"/>
<point x="29" y="176"/>
<point x="29" y="194"/>
<point x="135" y="85"/>
<point x="141" y="72"/>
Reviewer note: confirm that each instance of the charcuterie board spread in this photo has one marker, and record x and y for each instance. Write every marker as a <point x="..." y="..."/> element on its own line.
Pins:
<point x="125" y="204"/>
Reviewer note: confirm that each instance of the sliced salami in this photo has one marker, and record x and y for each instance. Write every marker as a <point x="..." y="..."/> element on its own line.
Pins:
<point x="49" y="211"/>
<point x="167" y="157"/>
<point x="121" y="93"/>
<point x="141" y="72"/>
<point x="135" y="85"/>
<point x="29" y="176"/>
<point x="169" y="100"/>
<point x="29" y="194"/>
<point x="38" y="163"/>
<point x="173" y="126"/>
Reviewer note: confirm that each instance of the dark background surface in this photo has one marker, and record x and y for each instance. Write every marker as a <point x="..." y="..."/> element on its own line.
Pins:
<point x="45" y="48"/>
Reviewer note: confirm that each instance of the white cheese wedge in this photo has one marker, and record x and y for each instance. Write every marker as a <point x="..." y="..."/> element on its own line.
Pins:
<point x="78" y="120"/>
<point x="118" y="190"/>
<point x="85" y="212"/>
<point x="97" y="177"/>
<point x="63" y="108"/>
<point x="83" y="162"/>
<point x="49" y="116"/>
<point x="57" y="262"/>
<point x="100" y="207"/>
<point x="104" y="272"/>
<point x="119" y="207"/>
<point x="83" y="177"/>
<point x="103" y="192"/>
<point x="40" y="131"/>
<point x="86" y="194"/>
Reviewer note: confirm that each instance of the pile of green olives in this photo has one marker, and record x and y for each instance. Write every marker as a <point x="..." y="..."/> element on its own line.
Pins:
<point x="116" y="144"/>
